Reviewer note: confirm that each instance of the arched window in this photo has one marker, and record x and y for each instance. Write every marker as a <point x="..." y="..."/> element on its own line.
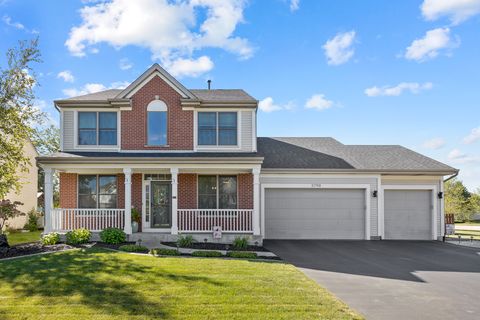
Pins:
<point x="157" y="123"/>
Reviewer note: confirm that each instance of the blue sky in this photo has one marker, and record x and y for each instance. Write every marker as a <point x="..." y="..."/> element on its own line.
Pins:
<point x="363" y="72"/>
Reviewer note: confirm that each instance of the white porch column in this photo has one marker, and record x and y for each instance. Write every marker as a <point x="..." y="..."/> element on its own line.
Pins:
<point x="174" y="173"/>
<point x="256" y="201"/>
<point x="128" y="200"/>
<point x="48" y="198"/>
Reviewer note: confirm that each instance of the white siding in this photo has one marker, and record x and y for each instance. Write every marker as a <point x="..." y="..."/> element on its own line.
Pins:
<point x="318" y="179"/>
<point x="437" y="181"/>
<point x="68" y="130"/>
<point x="246" y="131"/>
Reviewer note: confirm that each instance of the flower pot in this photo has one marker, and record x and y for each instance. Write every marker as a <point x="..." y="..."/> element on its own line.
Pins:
<point x="134" y="226"/>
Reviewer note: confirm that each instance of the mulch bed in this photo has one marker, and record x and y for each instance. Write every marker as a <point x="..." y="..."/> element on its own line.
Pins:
<point x="216" y="246"/>
<point x="26" y="249"/>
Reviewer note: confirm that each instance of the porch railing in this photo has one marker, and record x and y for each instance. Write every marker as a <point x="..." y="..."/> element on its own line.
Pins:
<point x="91" y="219"/>
<point x="203" y="220"/>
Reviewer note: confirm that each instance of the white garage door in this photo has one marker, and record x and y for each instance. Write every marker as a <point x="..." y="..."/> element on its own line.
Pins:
<point x="315" y="214"/>
<point x="408" y="214"/>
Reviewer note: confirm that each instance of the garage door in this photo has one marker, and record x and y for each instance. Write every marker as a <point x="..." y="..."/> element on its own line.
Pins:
<point x="315" y="214"/>
<point x="408" y="214"/>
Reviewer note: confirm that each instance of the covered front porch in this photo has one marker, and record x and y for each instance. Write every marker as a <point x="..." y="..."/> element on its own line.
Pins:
<point x="185" y="198"/>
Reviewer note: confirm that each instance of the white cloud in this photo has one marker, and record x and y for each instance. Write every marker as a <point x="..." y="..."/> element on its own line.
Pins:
<point x="338" y="50"/>
<point x="456" y="156"/>
<point x="473" y="136"/>
<point x="456" y="10"/>
<point x="430" y="45"/>
<point x="268" y="105"/>
<point x="169" y="29"/>
<point x="189" y="67"/>
<point x="318" y="102"/>
<point x="413" y="87"/>
<point x="66" y="75"/>
<point x="17" y="25"/>
<point x="125" y="64"/>
<point x="294" y="5"/>
<point x="434" y="144"/>
<point x="93" y="87"/>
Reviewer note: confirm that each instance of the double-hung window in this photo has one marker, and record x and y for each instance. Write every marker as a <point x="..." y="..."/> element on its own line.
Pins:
<point x="217" y="192"/>
<point x="97" y="128"/>
<point x="217" y="128"/>
<point x="97" y="191"/>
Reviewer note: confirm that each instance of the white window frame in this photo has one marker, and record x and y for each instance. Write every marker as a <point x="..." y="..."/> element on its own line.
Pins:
<point x="217" y="147"/>
<point x="96" y="147"/>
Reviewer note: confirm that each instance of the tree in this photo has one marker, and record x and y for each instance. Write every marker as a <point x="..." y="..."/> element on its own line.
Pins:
<point x="47" y="140"/>
<point x="457" y="200"/>
<point x="17" y="113"/>
<point x="8" y="210"/>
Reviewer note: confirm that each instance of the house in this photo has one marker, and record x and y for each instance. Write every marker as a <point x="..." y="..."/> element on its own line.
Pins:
<point x="28" y="191"/>
<point x="190" y="160"/>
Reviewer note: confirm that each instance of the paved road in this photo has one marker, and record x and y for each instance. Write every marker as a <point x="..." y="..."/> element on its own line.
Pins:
<point x="392" y="279"/>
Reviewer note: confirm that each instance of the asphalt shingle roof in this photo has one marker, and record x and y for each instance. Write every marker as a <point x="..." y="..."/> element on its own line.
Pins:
<point x="222" y="95"/>
<point x="100" y="96"/>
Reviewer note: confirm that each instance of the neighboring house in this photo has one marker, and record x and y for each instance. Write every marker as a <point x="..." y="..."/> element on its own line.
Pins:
<point x="28" y="191"/>
<point x="190" y="160"/>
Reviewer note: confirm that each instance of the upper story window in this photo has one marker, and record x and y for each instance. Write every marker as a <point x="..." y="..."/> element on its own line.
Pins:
<point x="157" y="123"/>
<point x="217" y="128"/>
<point x="97" y="128"/>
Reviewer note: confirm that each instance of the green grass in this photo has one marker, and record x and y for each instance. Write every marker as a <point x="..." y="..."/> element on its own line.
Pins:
<point x="469" y="223"/>
<point x="467" y="234"/>
<point x="101" y="284"/>
<point x="23" y="237"/>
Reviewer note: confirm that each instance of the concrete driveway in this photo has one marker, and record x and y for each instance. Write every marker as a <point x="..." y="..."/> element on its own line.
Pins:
<point x="392" y="279"/>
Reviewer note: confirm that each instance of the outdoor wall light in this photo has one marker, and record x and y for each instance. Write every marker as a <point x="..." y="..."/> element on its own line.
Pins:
<point x="440" y="195"/>
<point x="375" y="193"/>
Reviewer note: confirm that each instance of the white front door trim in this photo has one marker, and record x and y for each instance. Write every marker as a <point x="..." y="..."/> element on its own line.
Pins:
<point x="434" y="210"/>
<point x="319" y="186"/>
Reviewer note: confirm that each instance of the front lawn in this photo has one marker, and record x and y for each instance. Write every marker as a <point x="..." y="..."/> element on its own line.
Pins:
<point x="23" y="237"/>
<point x="100" y="284"/>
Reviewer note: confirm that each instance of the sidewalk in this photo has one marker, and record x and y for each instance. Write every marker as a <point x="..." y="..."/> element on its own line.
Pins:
<point x="467" y="227"/>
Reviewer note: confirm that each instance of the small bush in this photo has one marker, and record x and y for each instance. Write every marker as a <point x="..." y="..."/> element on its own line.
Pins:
<point x="32" y="221"/>
<point x="240" y="243"/>
<point x="133" y="248"/>
<point x="242" y="255"/>
<point x="209" y="254"/>
<point x="185" y="241"/>
<point x="50" y="239"/>
<point x="113" y="236"/>
<point x="78" y="236"/>
<point x="164" y="252"/>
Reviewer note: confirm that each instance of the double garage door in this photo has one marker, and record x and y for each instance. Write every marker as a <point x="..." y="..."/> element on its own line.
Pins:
<point x="340" y="214"/>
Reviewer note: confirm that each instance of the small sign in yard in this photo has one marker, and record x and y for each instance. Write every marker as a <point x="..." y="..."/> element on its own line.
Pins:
<point x="449" y="224"/>
<point x="217" y="232"/>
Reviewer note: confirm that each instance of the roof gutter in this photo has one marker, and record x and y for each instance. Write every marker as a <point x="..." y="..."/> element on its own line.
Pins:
<point x="126" y="160"/>
<point x="452" y="176"/>
<point x="359" y="171"/>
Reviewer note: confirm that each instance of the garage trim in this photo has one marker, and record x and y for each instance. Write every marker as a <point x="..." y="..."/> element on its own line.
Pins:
<point x="381" y="209"/>
<point x="319" y="186"/>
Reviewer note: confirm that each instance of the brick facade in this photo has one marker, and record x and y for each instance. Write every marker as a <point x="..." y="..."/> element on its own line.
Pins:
<point x="245" y="191"/>
<point x="187" y="191"/>
<point x="134" y="122"/>
<point x="68" y="190"/>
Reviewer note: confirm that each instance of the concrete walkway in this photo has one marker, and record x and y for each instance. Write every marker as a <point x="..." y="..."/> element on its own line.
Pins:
<point x="392" y="279"/>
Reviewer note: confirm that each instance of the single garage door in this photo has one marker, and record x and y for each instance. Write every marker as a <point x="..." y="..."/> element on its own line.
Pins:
<point x="315" y="213"/>
<point x="408" y="214"/>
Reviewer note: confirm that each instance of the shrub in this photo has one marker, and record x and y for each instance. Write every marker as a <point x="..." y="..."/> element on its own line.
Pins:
<point x="32" y="221"/>
<point x="78" y="236"/>
<point x="185" y="241"/>
<point x="242" y="255"/>
<point x="133" y="248"/>
<point x="209" y="254"/>
<point x="240" y="243"/>
<point x="113" y="236"/>
<point x="164" y="252"/>
<point x="50" y="239"/>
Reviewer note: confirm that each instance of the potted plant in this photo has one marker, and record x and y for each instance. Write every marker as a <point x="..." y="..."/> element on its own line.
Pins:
<point x="135" y="219"/>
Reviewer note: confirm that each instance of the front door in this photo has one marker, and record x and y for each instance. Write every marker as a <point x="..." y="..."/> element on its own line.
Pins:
<point x="160" y="204"/>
